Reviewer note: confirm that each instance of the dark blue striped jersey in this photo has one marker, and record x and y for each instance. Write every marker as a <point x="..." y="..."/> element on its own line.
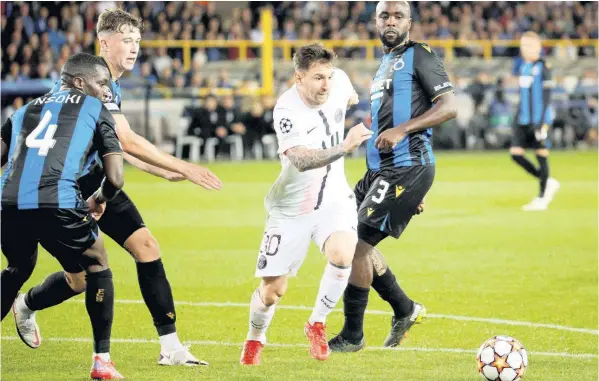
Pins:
<point x="50" y="141"/>
<point x="408" y="81"/>
<point x="535" y="94"/>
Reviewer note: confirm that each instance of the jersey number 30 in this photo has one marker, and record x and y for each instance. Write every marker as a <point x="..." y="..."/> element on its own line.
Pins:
<point x="47" y="141"/>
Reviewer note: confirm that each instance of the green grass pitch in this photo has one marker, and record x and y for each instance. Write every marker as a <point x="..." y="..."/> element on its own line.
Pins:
<point x="480" y="265"/>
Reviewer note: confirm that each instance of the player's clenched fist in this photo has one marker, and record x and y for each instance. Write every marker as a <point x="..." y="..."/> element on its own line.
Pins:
<point x="389" y="138"/>
<point x="202" y="177"/>
<point x="355" y="137"/>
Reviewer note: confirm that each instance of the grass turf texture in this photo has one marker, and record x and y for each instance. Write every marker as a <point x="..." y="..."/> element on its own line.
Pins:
<point x="473" y="253"/>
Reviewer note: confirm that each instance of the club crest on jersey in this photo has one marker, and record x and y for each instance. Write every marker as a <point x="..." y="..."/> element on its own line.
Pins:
<point x="399" y="64"/>
<point x="285" y="125"/>
<point x="108" y="97"/>
<point x="338" y="115"/>
<point x="261" y="262"/>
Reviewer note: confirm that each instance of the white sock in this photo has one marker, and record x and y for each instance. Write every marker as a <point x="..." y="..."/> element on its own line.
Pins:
<point x="104" y="356"/>
<point x="22" y="306"/>
<point x="333" y="283"/>
<point x="260" y="318"/>
<point x="170" y="342"/>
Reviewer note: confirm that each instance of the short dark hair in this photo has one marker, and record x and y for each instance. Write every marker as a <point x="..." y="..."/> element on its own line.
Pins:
<point x="80" y="65"/>
<point x="113" y="20"/>
<point x="308" y="55"/>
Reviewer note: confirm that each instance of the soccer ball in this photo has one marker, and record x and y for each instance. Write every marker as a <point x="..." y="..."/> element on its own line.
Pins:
<point x="502" y="358"/>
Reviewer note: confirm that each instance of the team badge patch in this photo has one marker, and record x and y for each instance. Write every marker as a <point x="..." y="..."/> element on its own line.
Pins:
<point x="338" y="115"/>
<point x="261" y="262"/>
<point x="285" y="125"/>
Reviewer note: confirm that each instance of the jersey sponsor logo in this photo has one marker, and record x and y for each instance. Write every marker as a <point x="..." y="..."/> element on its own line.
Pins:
<point x="399" y="190"/>
<point x="285" y="125"/>
<point x="442" y="86"/>
<point x="66" y="98"/>
<point x="376" y="90"/>
<point x="369" y="211"/>
<point x="338" y="115"/>
<point x="398" y="65"/>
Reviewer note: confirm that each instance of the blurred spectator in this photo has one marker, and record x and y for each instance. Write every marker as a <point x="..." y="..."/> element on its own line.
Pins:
<point x="256" y="126"/>
<point x="161" y="61"/>
<point x="9" y="110"/>
<point x="205" y="122"/>
<point x="500" y="115"/>
<point x="230" y="116"/>
<point x="56" y="37"/>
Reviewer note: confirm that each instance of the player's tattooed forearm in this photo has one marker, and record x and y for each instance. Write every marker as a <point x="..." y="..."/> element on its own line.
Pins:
<point x="305" y="159"/>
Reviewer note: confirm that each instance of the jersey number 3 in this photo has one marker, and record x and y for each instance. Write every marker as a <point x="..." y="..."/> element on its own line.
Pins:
<point x="384" y="186"/>
<point x="47" y="141"/>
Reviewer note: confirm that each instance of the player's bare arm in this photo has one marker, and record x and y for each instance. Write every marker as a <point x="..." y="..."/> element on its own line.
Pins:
<point x="145" y="151"/>
<point x="304" y="158"/>
<point x="153" y="170"/>
<point x="444" y="109"/>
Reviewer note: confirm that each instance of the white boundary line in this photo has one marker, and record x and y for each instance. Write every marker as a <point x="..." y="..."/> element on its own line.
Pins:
<point x="378" y="312"/>
<point x="280" y="345"/>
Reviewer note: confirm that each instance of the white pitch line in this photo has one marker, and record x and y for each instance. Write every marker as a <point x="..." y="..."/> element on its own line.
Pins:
<point x="378" y="312"/>
<point x="286" y="345"/>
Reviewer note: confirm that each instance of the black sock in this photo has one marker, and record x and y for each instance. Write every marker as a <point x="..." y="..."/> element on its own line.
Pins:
<point x="355" y="300"/>
<point x="10" y="283"/>
<point x="388" y="288"/>
<point x="158" y="296"/>
<point x="543" y="174"/>
<point x="99" y="301"/>
<point x="526" y="164"/>
<point x="51" y="292"/>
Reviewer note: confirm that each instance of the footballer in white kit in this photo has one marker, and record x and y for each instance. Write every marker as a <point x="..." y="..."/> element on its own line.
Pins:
<point x="308" y="205"/>
<point x="311" y="199"/>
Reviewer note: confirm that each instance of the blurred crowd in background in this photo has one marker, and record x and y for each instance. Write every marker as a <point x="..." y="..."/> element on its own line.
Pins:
<point x="38" y="37"/>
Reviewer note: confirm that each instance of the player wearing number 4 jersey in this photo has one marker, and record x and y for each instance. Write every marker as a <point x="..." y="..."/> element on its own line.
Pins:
<point x="119" y="35"/>
<point x="311" y="199"/>
<point x="410" y="94"/>
<point x="45" y="145"/>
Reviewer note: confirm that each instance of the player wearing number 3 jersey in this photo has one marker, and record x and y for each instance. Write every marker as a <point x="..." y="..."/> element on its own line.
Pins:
<point x="411" y="93"/>
<point x="311" y="199"/>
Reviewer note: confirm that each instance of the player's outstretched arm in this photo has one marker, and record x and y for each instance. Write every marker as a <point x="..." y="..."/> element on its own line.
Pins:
<point x="153" y="170"/>
<point x="145" y="151"/>
<point x="444" y="109"/>
<point x="304" y="158"/>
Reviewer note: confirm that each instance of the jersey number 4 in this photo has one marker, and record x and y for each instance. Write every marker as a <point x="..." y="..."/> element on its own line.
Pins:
<point x="47" y="141"/>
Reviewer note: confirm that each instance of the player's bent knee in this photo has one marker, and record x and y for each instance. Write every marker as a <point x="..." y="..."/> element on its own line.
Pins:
<point x="517" y="151"/>
<point x="544" y="152"/>
<point x="340" y="248"/>
<point x="272" y="289"/>
<point x="143" y="246"/>
<point x="76" y="281"/>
